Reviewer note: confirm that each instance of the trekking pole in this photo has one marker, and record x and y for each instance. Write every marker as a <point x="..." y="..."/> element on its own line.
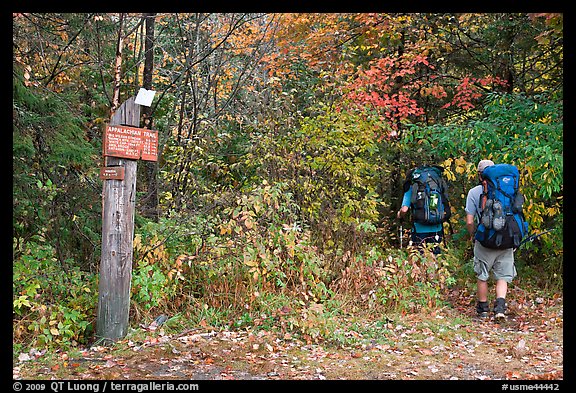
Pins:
<point x="401" y="232"/>
<point x="533" y="237"/>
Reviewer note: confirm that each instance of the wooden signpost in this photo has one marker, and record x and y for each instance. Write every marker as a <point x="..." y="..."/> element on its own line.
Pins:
<point x="123" y="145"/>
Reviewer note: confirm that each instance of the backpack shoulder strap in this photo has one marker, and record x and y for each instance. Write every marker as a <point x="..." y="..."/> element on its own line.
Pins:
<point x="484" y="195"/>
<point x="482" y="200"/>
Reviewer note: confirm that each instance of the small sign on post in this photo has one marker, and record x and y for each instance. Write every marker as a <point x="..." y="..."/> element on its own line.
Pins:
<point x="112" y="173"/>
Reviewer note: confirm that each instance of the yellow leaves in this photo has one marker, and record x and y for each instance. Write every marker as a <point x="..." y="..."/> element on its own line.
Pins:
<point x="290" y="243"/>
<point x="447" y="164"/>
<point x="249" y="223"/>
<point x="249" y="258"/>
<point x="546" y="119"/>
<point x="53" y="330"/>
<point x="151" y="252"/>
<point x="175" y="274"/>
<point x="449" y="174"/>
<point x="22" y="301"/>
<point x="137" y="243"/>
<point x="239" y="216"/>
<point x="226" y="228"/>
<point x="535" y="213"/>
<point x="460" y="165"/>
<point x="528" y="171"/>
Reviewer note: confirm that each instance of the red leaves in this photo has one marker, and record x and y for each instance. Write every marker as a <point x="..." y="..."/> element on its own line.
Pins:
<point x="556" y="375"/>
<point x="469" y="91"/>
<point x="392" y="85"/>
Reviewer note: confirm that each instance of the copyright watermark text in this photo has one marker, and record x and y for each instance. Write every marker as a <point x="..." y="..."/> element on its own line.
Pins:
<point x="103" y="386"/>
<point x="534" y="386"/>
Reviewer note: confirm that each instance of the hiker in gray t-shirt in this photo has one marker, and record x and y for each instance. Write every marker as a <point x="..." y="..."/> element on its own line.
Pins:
<point x="486" y="260"/>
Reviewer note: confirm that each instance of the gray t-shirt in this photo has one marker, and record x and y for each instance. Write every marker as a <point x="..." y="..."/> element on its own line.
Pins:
<point x="473" y="201"/>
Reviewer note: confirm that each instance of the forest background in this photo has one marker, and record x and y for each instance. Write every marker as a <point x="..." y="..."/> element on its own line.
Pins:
<point x="283" y="144"/>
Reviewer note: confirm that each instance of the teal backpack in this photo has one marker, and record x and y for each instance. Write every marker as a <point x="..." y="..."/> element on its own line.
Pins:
<point x="501" y="222"/>
<point x="429" y="204"/>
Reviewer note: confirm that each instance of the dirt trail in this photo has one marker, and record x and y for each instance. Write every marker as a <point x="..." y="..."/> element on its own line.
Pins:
<point x="447" y="345"/>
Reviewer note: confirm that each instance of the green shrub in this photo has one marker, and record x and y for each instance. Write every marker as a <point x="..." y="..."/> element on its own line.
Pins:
<point x="54" y="303"/>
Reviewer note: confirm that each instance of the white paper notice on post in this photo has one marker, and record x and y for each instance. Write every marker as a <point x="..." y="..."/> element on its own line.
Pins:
<point x="145" y="97"/>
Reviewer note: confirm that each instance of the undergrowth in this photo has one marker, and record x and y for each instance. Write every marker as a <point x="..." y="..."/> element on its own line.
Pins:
<point x="266" y="277"/>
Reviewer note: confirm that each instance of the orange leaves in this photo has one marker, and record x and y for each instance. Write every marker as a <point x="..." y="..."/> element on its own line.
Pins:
<point x="435" y="91"/>
<point x="426" y="351"/>
<point x="315" y="39"/>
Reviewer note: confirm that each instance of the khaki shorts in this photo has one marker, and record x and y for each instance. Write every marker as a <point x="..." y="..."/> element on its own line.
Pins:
<point x="500" y="262"/>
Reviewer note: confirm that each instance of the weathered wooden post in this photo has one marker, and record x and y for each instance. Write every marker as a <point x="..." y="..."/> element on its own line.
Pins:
<point x="118" y="204"/>
<point x="123" y="144"/>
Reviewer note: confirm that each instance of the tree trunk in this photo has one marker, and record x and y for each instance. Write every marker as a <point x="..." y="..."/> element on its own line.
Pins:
<point x="150" y="200"/>
<point x="118" y="66"/>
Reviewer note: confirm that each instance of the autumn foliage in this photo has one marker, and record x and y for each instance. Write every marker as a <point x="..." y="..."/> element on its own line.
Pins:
<point x="284" y="140"/>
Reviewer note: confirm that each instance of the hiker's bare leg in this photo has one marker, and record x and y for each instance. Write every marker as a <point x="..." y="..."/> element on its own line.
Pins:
<point x="501" y="288"/>
<point x="482" y="290"/>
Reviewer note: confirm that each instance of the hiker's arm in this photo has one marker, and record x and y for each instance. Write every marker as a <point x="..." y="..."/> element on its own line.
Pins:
<point x="405" y="204"/>
<point x="402" y="212"/>
<point x="470" y="226"/>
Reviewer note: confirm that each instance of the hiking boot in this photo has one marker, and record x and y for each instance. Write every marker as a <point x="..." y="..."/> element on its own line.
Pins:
<point x="499" y="308"/>
<point x="487" y="214"/>
<point x="482" y="310"/>
<point x="499" y="220"/>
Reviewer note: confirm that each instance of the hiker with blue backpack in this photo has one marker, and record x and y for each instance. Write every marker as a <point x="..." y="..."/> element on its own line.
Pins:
<point x="426" y="196"/>
<point x="495" y="222"/>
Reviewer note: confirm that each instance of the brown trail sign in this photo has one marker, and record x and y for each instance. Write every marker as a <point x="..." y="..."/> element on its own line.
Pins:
<point x="112" y="173"/>
<point x="131" y="142"/>
<point x="123" y="145"/>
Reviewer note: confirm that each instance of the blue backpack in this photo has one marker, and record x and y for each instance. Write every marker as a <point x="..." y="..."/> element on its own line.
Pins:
<point x="429" y="203"/>
<point x="501" y="223"/>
